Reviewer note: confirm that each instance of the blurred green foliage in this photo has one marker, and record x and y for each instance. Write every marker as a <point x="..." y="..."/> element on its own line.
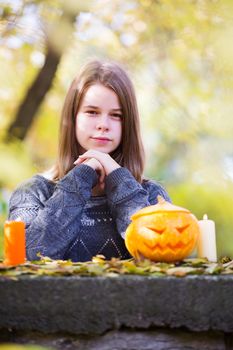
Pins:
<point x="180" y="57"/>
<point x="13" y="346"/>
<point x="216" y="203"/>
<point x="4" y="199"/>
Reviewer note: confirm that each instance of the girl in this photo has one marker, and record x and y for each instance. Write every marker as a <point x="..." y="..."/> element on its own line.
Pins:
<point x="84" y="207"/>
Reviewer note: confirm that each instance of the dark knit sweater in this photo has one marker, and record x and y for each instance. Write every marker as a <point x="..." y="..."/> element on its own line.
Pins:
<point x="63" y="220"/>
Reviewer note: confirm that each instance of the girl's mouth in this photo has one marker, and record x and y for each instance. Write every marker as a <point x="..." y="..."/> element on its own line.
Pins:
<point x="101" y="139"/>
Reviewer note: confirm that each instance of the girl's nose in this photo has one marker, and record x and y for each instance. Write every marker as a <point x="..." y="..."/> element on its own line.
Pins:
<point x="103" y="123"/>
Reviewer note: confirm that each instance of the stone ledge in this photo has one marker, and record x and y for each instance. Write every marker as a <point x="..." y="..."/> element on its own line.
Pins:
<point x="159" y="339"/>
<point x="94" y="305"/>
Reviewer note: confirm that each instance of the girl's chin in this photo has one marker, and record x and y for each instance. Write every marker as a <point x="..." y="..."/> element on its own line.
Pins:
<point x="100" y="149"/>
<point x="96" y="148"/>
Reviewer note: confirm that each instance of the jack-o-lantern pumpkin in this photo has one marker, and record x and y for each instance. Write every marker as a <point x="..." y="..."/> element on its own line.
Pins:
<point x="162" y="232"/>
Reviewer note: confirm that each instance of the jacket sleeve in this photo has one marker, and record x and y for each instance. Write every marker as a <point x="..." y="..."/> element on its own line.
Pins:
<point x="126" y="196"/>
<point x="52" y="224"/>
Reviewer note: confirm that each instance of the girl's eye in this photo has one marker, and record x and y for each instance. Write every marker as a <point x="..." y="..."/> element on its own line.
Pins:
<point x="91" y="112"/>
<point x="117" y="116"/>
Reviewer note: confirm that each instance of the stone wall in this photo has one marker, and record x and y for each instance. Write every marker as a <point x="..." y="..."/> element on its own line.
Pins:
<point x="122" y="312"/>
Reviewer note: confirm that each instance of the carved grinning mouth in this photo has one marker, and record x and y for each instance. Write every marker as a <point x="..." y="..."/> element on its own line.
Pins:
<point x="177" y="246"/>
<point x="158" y="245"/>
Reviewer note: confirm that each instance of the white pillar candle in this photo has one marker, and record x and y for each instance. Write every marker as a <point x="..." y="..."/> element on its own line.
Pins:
<point x="206" y="246"/>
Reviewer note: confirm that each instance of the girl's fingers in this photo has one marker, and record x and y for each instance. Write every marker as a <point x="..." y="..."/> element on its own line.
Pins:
<point x="80" y="160"/>
<point x="101" y="172"/>
<point x="96" y="165"/>
<point x="100" y="156"/>
<point x="102" y="186"/>
<point x="102" y="176"/>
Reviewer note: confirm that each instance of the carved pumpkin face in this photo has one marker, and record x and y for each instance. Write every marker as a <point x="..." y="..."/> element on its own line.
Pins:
<point x="162" y="232"/>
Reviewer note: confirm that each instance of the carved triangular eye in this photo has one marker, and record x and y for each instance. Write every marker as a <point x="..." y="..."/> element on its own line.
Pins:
<point x="182" y="228"/>
<point x="157" y="230"/>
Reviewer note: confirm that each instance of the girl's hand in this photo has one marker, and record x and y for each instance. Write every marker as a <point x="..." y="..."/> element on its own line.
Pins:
<point x="106" y="161"/>
<point x="95" y="165"/>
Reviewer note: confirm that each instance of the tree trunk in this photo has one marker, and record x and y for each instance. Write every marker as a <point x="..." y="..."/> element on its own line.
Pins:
<point x="35" y="95"/>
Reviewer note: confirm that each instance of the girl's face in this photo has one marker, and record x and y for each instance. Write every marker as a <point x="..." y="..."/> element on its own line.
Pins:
<point x="99" y="120"/>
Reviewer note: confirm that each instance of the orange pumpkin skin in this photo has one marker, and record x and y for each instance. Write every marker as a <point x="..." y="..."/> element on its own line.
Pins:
<point x="162" y="233"/>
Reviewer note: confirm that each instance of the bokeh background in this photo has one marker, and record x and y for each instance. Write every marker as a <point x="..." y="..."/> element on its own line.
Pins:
<point x="179" y="55"/>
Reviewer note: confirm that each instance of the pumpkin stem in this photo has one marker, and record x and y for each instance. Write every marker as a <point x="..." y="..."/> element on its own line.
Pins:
<point x="160" y="199"/>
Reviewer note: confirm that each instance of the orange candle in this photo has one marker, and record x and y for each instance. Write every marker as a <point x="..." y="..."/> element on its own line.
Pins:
<point x="14" y="243"/>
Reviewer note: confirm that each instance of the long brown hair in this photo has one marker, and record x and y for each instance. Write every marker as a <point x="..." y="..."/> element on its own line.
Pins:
<point x="130" y="153"/>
